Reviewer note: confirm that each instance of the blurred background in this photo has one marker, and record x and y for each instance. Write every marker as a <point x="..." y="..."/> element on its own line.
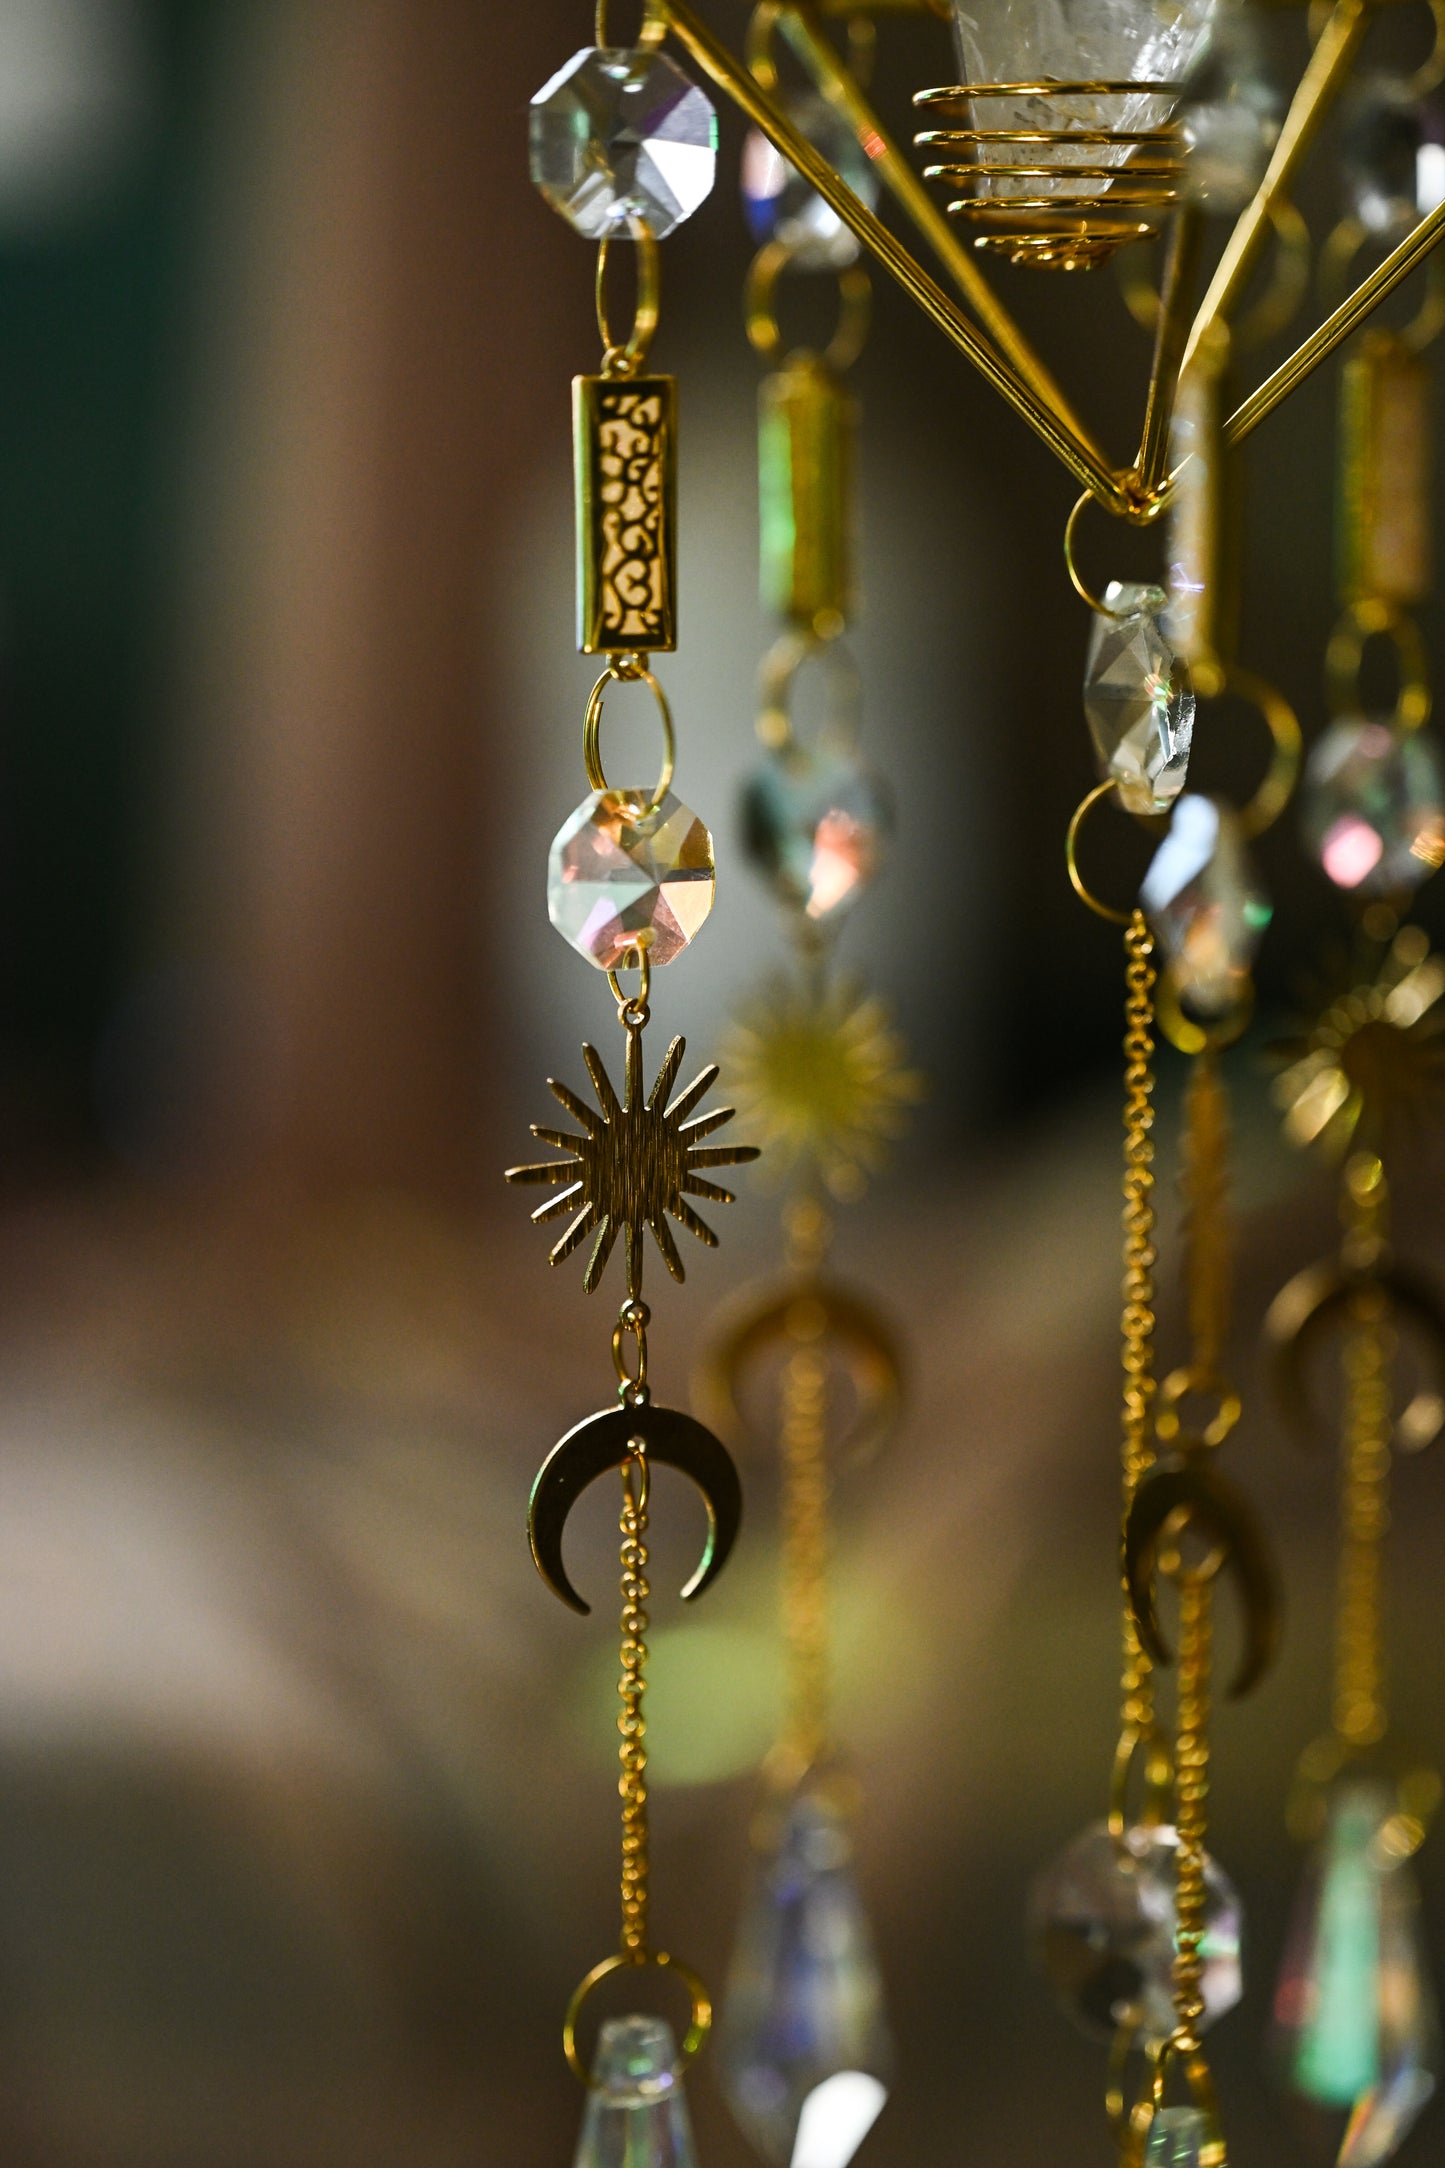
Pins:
<point x="307" y="1793"/>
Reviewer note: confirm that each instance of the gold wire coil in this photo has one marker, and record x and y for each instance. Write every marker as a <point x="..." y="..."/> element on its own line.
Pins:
<point x="627" y="670"/>
<point x="1066" y="232"/>
<point x="765" y="334"/>
<point x="699" y="2026"/>
<point x="625" y="357"/>
<point x="1370" y="620"/>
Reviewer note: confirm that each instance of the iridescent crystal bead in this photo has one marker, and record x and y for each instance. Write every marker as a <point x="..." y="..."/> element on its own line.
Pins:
<point x="1101" y="1920"/>
<point x="1392" y="154"/>
<point x="804" y="2052"/>
<point x="621" y="878"/>
<point x="781" y="206"/>
<point x="1206" y="905"/>
<point x="1372" y="809"/>
<point x="1139" y="699"/>
<point x="1356" y="2033"/>
<point x="1177" y="2138"/>
<point x="636" y="2114"/>
<point x="618" y="135"/>
<point x="1228" y="114"/>
<point x="817" y="823"/>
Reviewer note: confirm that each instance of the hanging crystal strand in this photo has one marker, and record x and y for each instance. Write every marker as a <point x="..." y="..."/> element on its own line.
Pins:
<point x="1356" y="2031"/>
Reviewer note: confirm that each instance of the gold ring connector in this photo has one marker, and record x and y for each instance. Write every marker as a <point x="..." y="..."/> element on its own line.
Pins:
<point x="699" y="2026"/>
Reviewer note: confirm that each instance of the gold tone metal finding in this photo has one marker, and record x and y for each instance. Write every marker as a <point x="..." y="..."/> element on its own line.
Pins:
<point x="1372" y="620"/>
<point x="625" y="357"/>
<point x="635" y="1162"/>
<point x="631" y="1717"/>
<point x="1071" y="565"/>
<point x="627" y="670"/>
<point x="1200" y="1035"/>
<point x="807" y="424"/>
<point x="1107" y="789"/>
<point x="1137" y="1322"/>
<point x="1385" y="462"/>
<point x="1212" y="681"/>
<point x="699" y="2024"/>
<point x="760" y="309"/>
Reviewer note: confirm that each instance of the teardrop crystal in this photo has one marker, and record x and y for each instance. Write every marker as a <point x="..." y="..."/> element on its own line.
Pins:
<point x="1206" y="905"/>
<point x="1101" y="1922"/>
<point x="1356" y="2033"/>
<point x="636" y="2110"/>
<point x="804" y="2052"/>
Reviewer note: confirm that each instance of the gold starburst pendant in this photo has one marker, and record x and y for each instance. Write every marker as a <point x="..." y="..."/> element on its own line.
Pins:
<point x="1374" y="1061"/>
<point x="637" y="1160"/>
<point x="823" y="1076"/>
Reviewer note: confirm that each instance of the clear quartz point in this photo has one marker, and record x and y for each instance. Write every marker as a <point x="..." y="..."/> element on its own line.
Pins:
<point x="622" y="878"/>
<point x="1101" y="1923"/>
<point x="1356" y="2033"/>
<point x="1205" y="904"/>
<point x="1074" y="41"/>
<point x="804" y="2052"/>
<point x="816" y="822"/>
<point x="619" y="135"/>
<point x="1229" y="114"/>
<point x="636" y="2114"/>
<point x="1392" y="153"/>
<point x="1372" y="807"/>
<point x="1180" y="2138"/>
<point x="781" y="206"/>
<point x="1139" y="699"/>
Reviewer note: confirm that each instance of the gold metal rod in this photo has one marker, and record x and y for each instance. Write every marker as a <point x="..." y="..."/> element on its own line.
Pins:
<point x="842" y="90"/>
<point x="1328" y="66"/>
<point x="735" y="80"/>
<point x="1179" y="269"/>
<point x="1321" y="343"/>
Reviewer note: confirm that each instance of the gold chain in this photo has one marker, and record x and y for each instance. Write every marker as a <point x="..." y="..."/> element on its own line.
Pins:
<point x="1359" y="1695"/>
<point x="631" y="1722"/>
<point x="805" y="1548"/>
<point x="1206" y="1144"/>
<point x="1191" y="1793"/>
<point x="1136" y="1686"/>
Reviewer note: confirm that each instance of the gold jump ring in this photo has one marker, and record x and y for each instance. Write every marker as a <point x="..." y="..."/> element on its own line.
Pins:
<point x="627" y="670"/>
<point x="626" y="357"/>
<point x="1187" y="1033"/>
<point x="1211" y="681"/>
<point x="1071" y="857"/>
<point x="632" y="1009"/>
<point x="1076" y="578"/>
<point x="760" y="296"/>
<point x="1369" y="620"/>
<point x="650" y="31"/>
<point x="698" y="2028"/>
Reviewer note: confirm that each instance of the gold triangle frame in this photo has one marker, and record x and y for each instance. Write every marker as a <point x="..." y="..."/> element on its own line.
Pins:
<point x="988" y="336"/>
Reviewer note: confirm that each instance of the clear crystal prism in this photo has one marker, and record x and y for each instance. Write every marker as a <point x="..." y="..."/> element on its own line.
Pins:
<point x="1102" y="1925"/>
<point x="1205" y="904"/>
<point x="1356" y="2033"/>
<point x="636" y="2115"/>
<point x="804" y="2052"/>
<point x="781" y="206"/>
<point x="620" y="135"/>
<point x="1372" y="806"/>
<point x="621" y="878"/>
<point x="1139" y="699"/>
<point x="1180" y="2137"/>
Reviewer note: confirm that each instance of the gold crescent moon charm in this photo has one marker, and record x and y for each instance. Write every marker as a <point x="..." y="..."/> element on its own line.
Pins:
<point x="812" y="1310"/>
<point x="1314" y="1301"/>
<point x="1217" y="1511"/>
<point x="603" y="1441"/>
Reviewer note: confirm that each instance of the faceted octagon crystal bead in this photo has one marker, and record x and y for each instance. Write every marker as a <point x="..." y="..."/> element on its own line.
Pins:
<point x="1138" y="699"/>
<point x="817" y="824"/>
<point x="622" y="878"/>
<point x="622" y="135"/>
<point x="1101" y="1919"/>
<point x="1206" y="905"/>
<point x="781" y="206"/>
<point x="1373" y="806"/>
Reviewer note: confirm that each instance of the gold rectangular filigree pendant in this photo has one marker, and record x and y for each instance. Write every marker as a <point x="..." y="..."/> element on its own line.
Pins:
<point x="624" y="432"/>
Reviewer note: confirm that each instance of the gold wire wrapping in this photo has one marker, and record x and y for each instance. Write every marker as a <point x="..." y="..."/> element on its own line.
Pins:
<point x="1136" y="1682"/>
<point x="631" y="1718"/>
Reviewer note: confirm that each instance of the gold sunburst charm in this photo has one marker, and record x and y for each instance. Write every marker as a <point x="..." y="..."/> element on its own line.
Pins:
<point x="635" y="1161"/>
<point x="822" y="1077"/>
<point x="1374" y="1060"/>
